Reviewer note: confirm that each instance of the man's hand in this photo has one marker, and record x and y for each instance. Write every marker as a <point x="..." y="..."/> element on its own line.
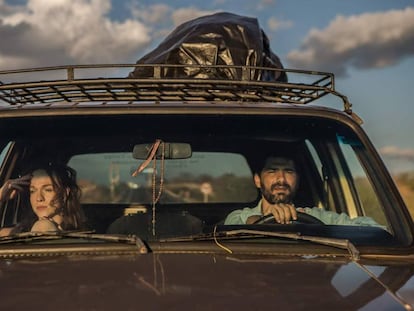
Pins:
<point x="284" y="213"/>
<point x="252" y="219"/>
<point x="12" y="186"/>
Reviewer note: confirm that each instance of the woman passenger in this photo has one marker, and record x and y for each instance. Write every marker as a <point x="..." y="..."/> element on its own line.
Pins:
<point x="54" y="198"/>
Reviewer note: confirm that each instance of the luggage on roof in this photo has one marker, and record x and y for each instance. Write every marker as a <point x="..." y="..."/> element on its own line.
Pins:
<point x="217" y="39"/>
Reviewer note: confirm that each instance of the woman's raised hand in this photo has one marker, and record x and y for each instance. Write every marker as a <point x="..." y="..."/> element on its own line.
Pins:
<point x="12" y="186"/>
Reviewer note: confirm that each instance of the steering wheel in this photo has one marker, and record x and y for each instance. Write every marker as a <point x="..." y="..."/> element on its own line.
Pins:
<point x="302" y="218"/>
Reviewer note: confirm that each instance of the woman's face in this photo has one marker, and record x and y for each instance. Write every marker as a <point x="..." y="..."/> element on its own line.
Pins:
<point x="42" y="194"/>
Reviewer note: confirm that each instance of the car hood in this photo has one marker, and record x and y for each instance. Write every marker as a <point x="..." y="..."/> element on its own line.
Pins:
<point x="202" y="282"/>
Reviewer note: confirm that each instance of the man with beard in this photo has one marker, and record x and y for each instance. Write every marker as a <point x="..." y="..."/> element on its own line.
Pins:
<point x="278" y="181"/>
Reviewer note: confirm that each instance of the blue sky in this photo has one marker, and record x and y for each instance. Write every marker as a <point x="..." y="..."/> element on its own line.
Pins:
<point x="368" y="44"/>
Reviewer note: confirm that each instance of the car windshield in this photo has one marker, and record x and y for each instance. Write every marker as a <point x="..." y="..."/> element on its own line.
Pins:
<point x="191" y="193"/>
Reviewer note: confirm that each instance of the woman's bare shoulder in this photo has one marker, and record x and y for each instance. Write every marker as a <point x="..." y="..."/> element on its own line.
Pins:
<point x="43" y="225"/>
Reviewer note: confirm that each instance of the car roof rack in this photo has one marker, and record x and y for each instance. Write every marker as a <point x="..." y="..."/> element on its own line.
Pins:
<point x="72" y="84"/>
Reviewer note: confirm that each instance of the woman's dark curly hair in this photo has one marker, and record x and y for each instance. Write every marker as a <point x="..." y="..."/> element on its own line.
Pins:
<point x="67" y="197"/>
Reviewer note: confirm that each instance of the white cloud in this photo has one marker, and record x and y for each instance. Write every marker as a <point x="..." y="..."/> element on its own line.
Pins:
<point x="370" y="40"/>
<point x="183" y="15"/>
<point x="264" y="4"/>
<point x="393" y="152"/>
<point x="67" y="31"/>
<point x="153" y="14"/>
<point x="46" y="33"/>
<point x="276" y="24"/>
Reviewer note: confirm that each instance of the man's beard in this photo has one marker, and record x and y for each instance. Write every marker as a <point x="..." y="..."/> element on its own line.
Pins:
<point x="275" y="198"/>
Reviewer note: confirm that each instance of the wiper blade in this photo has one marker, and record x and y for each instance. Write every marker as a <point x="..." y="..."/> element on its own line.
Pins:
<point x="28" y="236"/>
<point x="111" y="238"/>
<point x="36" y="236"/>
<point x="338" y="243"/>
<point x="247" y="233"/>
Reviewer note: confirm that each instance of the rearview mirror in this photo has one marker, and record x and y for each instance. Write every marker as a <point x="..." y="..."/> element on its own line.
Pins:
<point x="171" y="151"/>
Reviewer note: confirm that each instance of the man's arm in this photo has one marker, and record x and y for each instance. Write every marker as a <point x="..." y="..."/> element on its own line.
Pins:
<point x="332" y="218"/>
<point x="283" y="214"/>
<point x="241" y="216"/>
<point x="248" y="215"/>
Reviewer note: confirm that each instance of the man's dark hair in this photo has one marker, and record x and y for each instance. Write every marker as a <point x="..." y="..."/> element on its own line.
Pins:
<point x="287" y="151"/>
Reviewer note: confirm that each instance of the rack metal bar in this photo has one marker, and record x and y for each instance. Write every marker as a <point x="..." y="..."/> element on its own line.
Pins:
<point x="216" y="84"/>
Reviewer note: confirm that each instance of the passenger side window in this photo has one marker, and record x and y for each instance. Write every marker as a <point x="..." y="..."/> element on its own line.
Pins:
<point x="4" y="152"/>
<point x="346" y="181"/>
<point x="368" y="199"/>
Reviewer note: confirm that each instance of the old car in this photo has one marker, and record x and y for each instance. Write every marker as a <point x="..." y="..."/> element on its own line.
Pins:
<point x="162" y="159"/>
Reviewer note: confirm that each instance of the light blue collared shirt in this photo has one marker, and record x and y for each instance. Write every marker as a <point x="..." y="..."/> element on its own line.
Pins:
<point x="239" y="217"/>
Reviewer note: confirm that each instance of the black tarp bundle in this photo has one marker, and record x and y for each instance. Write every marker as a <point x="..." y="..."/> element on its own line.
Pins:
<point x="217" y="39"/>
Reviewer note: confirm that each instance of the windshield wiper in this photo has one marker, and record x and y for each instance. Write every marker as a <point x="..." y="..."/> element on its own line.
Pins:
<point x="36" y="236"/>
<point x="247" y="233"/>
<point x="339" y="243"/>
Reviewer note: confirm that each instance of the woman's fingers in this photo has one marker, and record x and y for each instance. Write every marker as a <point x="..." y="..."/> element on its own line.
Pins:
<point x="12" y="186"/>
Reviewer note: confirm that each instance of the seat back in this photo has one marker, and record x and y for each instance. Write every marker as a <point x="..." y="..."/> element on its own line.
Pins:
<point x="167" y="225"/>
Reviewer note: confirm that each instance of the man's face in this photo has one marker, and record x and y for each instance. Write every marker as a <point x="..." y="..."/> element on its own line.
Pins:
<point x="278" y="180"/>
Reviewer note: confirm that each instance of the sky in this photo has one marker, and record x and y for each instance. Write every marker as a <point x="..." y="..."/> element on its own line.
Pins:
<point x="367" y="44"/>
